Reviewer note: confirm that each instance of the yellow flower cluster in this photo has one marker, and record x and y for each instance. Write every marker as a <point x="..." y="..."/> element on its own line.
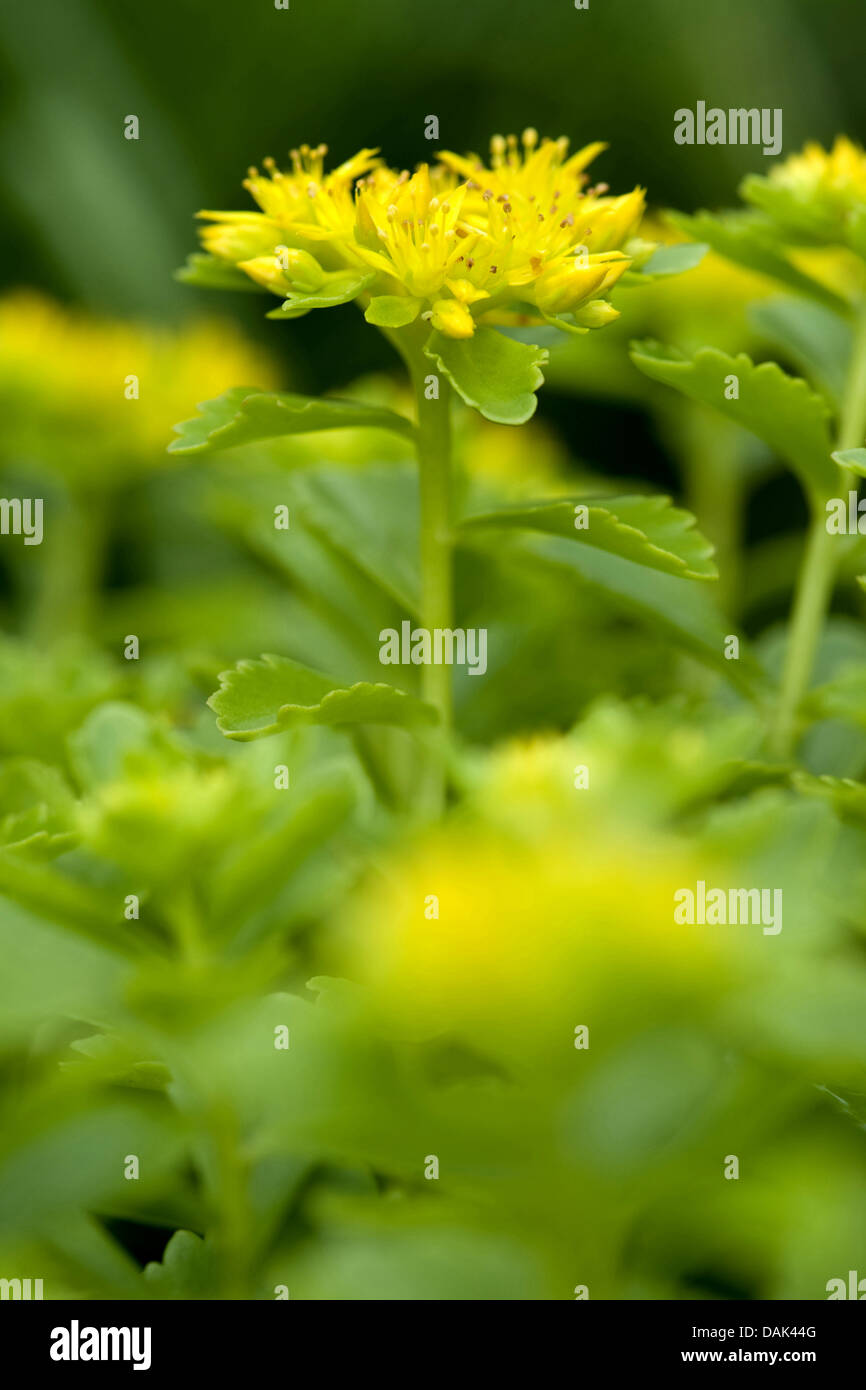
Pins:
<point x="522" y="238"/>
<point x="81" y="393"/>
<point x="836" y="176"/>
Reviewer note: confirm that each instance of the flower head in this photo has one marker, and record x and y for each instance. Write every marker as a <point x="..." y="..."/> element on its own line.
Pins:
<point x="817" y="196"/>
<point x="461" y="242"/>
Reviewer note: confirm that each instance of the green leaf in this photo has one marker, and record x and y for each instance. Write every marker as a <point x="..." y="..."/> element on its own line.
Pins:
<point x="393" y="310"/>
<point x="817" y="340"/>
<point x="749" y="240"/>
<point x="48" y="971"/>
<point x="339" y="288"/>
<point x="684" y="614"/>
<point x="853" y="459"/>
<point x="782" y="410"/>
<point x="669" y="260"/>
<point x="495" y="374"/>
<point x="188" y="1269"/>
<point x="843" y="697"/>
<point x="242" y="415"/>
<point x="648" y="530"/>
<point x="257" y="698"/>
<point x="371" y="517"/>
<point x="211" y="273"/>
<point x="808" y="221"/>
<point x="855" y="227"/>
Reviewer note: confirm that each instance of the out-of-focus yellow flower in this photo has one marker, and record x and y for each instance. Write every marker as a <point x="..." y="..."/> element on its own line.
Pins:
<point x="816" y="197"/>
<point x="87" y="396"/>
<point x="836" y="176"/>
<point x="464" y="242"/>
<point x="496" y="923"/>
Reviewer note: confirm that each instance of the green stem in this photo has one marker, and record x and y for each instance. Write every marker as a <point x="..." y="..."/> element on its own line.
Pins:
<point x="73" y="565"/>
<point x="435" y="477"/>
<point x="818" y="571"/>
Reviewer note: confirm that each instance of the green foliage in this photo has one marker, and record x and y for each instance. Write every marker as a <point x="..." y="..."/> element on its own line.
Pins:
<point x="258" y="698"/>
<point x="243" y="415"/>
<point x="338" y="287"/>
<point x="206" y="272"/>
<point x="393" y="310"/>
<point x="495" y="374"/>
<point x="238" y="979"/>
<point x="751" y="241"/>
<point x="647" y="530"/>
<point x="780" y="409"/>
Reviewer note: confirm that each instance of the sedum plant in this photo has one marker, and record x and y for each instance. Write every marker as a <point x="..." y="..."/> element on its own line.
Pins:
<point x="804" y="228"/>
<point x="221" y="957"/>
<point x="464" y="267"/>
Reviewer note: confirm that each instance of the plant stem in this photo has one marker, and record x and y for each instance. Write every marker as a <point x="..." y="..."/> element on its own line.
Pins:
<point x="437" y="586"/>
<point x="817" y="574"/>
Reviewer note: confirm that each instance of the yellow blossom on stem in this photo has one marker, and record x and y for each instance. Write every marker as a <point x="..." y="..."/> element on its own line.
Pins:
<point x="463" y="242"/>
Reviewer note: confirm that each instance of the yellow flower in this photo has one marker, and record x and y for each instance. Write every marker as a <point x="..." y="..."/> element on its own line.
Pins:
<point x="304" y="205"/>
<point x="528" y="913"/>
<point x="92" y="397"/>
<point x="817" y="196"/>
<point x="837" y="175"/>
<point x="523" y="236"/>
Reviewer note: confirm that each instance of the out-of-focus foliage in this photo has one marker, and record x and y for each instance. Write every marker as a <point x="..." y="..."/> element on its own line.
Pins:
<point x="269" y="1024"/>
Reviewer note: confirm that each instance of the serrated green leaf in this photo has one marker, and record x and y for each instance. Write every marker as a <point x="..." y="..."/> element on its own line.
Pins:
<point x="243" y="415"/>
<point x="495" y="374"/>
<point x="648" y="530"/>
<point x="340" y="287"/>
<point x="257" y="698"/>
<point x="393" y="310"/>
<point x="211" y="273"/>
<point x="817" y="340"/>
<point x="748" y="240"/>
<point x="188" y="1269"/>
<point x="782" y="410"/>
